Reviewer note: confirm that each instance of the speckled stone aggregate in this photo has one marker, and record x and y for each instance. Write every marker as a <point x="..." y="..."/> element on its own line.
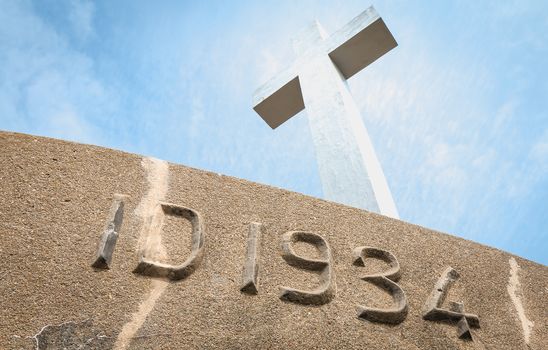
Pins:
<point x="55" y="198"/>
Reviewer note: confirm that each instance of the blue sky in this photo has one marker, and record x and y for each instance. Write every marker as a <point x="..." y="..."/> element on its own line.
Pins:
<point x="458" y="112"/>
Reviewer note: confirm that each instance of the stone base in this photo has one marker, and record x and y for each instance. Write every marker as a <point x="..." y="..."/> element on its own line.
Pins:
<point x="226" y="263"/>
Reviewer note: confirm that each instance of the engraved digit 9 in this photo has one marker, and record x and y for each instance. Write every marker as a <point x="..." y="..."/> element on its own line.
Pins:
<point x="326" y="291"/>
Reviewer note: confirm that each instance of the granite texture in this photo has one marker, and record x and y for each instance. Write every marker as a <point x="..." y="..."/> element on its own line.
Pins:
<point x="56" y="201"/>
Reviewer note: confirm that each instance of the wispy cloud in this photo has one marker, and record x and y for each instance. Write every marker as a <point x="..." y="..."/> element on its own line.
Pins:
<point x="539" y="151"/>
<point x="81" y="17"/>
<point x="451" y="142"/>
<point x="456" y="112"/>
<point x="49" y="88"/>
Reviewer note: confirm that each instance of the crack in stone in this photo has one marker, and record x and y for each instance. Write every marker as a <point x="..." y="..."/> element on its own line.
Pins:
<point x="150" y="243"/>
<point x="514" y="290"/>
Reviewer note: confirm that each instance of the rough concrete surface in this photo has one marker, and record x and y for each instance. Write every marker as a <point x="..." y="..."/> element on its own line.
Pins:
<point x="56" y="201"/>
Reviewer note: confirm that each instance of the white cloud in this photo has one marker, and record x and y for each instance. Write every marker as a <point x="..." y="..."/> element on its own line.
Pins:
<point x="81" y="18"/>
<point x="436" y="129"/>
<point x="196" y="117"/>
<point x="269" y="65"/>
<point x="48" y="88"/>
<point x="67" y="124"/>
<point x="539" y="151"/>
<point x="503" y="115"/>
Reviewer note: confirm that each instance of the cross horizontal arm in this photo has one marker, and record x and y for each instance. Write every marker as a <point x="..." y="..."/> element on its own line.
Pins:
<point x="279" y="99"/>
<point x="358" y="44"/>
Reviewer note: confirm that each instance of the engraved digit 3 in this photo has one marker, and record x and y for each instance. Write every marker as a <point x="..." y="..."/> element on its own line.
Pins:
<point x="326" y="291"/>
<point x="387" y="281"/>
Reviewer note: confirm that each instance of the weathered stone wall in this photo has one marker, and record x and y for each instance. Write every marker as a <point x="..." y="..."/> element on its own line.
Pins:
<point x="57" y="200"/>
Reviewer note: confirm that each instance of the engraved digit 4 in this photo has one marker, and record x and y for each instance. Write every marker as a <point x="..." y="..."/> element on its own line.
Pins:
<point x="434" y="312"/>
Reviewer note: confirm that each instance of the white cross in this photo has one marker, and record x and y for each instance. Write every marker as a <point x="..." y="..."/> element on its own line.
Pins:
<point x="349" y="169"/>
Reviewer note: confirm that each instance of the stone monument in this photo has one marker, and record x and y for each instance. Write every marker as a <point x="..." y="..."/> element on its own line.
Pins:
<point x="349" y="169"/>
<point x="102" y="249"/>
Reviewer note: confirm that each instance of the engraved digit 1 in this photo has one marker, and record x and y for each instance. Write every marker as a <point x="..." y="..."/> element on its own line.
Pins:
<point x="434" y="312"/>
<point x="251" y="268"/>
<point x="156" y="269"/>
<point x="110" y="235"/>
<point x="326" y="291"/>
<point x="387" y="281"/>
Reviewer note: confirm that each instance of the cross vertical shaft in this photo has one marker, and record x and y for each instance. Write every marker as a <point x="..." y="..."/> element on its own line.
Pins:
<point x="349" y="169"/>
